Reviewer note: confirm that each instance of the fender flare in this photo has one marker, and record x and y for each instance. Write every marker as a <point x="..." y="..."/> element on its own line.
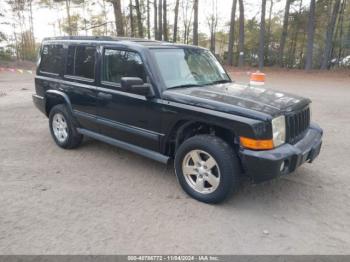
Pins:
<point x="62" y="95"/>
<point x="178" y="129"/>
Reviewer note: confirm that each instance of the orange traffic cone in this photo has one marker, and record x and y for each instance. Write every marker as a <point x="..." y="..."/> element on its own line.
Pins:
<point x="257" y="78"/>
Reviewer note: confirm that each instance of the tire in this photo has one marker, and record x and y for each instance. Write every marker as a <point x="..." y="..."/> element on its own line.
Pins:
<point x="62" y="128"/>
<point x="210" y="181"/>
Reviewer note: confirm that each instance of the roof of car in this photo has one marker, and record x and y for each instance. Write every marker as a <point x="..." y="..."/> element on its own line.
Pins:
<point x="108" y="39"/>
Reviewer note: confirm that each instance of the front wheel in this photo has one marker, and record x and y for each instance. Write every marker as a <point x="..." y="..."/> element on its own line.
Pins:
<point x="207" y="168"/>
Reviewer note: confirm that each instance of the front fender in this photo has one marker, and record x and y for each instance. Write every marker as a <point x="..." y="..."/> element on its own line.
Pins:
<point x="239" y="127"/>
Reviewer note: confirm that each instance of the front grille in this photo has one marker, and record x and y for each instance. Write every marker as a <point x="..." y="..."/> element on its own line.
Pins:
<point x="297" y="123"/>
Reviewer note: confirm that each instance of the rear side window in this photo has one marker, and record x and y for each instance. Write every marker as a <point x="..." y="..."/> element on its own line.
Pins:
<point x="81" y="61"/>
<point x="52" y="58"/>
<point x="121" y="63"/>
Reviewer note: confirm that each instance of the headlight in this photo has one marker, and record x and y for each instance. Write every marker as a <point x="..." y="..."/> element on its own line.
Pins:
<point x="279" y="130"/>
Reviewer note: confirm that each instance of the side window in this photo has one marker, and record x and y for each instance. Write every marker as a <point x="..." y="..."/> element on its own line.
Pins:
<point x="81" y="61"/>
<point x="119" y="63"/>
<point x="52" y="58"/>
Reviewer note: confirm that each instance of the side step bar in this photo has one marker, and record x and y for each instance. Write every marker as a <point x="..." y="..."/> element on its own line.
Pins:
<point x="136" y="149"/>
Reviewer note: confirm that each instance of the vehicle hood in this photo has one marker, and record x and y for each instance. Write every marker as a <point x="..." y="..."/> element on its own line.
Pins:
<point x="251" y="101"/>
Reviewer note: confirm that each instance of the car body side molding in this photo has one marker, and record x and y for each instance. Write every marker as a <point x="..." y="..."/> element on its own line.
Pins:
<point x="120" y="126"/>
<point x="136" y="149"/>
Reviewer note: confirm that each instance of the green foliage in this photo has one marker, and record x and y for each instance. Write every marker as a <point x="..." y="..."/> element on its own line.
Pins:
<point x="252" y="29"/>
<point x="97" y="24"/>
<point x="27" y="48"/>
<point x="2" y="37"/>
<point x="74" y="27"/>
<point x="87" y="21"/>
<point x="272" y="44"/>
<point x="5" y="54"/>
<point x="294" y="55"/>
<point x="77" y="2"/>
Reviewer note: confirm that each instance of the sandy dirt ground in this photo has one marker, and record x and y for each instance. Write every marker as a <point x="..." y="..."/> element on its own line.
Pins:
<point x="99" y="199"/>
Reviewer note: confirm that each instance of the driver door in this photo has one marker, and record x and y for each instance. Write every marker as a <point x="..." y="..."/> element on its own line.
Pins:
<point x="125" y="116"/>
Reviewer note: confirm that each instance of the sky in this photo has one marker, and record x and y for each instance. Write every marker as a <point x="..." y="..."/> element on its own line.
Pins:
<point x="45" y="19"/>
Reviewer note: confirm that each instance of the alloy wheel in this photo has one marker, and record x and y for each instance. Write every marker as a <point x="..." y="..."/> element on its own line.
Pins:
<point x="60" y="127"/>
<point x="201" y="171"/>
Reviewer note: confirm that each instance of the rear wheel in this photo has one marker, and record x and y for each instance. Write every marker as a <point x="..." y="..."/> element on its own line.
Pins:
<point x="207" y="168"/>
<point x="62" y="128"/>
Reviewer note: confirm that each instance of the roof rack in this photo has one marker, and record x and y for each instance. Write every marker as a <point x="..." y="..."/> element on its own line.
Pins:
<point x="99" y="38"/>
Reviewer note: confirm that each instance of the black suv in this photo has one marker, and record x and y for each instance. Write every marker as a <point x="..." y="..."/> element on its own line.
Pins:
<point x="167" y="101"/>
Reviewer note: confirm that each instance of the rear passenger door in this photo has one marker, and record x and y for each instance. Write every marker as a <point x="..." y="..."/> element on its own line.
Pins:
<point x="126" y="116"/>
<point x="80" y="83"/>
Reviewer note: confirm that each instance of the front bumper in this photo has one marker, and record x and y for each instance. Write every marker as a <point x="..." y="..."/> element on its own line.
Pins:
<point x="265" y="165"/>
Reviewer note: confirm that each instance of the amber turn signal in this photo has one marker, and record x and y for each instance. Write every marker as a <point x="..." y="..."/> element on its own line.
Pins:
<point x="256" y="144"/>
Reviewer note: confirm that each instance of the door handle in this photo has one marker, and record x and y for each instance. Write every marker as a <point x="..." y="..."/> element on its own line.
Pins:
<point x="104" y="96"/>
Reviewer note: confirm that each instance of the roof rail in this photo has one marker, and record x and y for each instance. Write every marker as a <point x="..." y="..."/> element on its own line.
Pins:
<point x="98" y="38"/>
<point x="79" y="38"/>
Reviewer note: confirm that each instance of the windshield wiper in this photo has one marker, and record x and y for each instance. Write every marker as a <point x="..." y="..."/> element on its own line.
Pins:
<point x="222" y="81"/>
<point x="184" y="86"/>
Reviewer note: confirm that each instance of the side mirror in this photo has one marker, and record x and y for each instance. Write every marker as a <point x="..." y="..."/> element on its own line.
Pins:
<point x="136" y="85"/>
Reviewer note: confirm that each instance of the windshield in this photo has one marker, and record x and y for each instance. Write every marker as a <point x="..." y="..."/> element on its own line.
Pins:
<point x="189" y="67"/>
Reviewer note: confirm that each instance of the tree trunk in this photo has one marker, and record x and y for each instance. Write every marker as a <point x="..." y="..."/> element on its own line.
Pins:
<point x="148" y="21"/>
<point x="187" y="13"/>
<point x="284" y="33"/>
<point x="105" y="17"/>
<point x="301" y="51"/>
<point x="212" y="34"/>
<point x="329" y="36"/>
<point x="347" y="37"/>
<point x="84" y="18"/>
<point x="231" y="34"/>
<point x="165" y="21"/>
<point x="118" y="17"/>
<point x="212" y="22"/>
<point x="68" y="17"/>
<point x="156" y="34"/>
<point x="195" y="22"/>
<point x="310" y="35"/>
<point x="291" y="51"/>
<point x="139" y="18"/>
<point x="31" y="25"/>
<point x="160" y="20"/>
<point x="241" y="34"/>
<point x="262" y="35"/>
<point x="132" y="27"/>
<point x="268" y="35"/>
<point x="176" y="20"/>
<point x="295" y="37"/>
<point x="16" y="42"/>
<point x="341" y="29"/>
<point x="212" y="41"/>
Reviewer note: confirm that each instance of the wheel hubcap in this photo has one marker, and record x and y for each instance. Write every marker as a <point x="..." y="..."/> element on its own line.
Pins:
<point x="60" y="128"/>
<point x="201" y="171"/>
